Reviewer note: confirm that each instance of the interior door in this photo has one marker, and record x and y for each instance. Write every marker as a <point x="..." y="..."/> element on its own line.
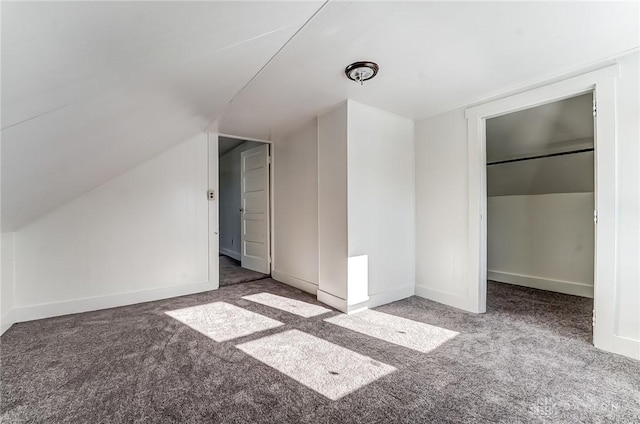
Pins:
<point x="255" y="209"/>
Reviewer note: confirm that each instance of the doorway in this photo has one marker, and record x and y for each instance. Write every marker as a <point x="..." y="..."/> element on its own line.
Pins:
<point x="602" y="83"/>
<point x="243" y="210"/>
<point x="540" y="202"/>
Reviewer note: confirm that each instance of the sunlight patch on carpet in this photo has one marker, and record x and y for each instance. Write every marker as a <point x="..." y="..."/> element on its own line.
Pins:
<point x="329" y="369"/>
<point x="222" y="321"/>
<point x="390" y="328"/>
<point x="297" y="307"/>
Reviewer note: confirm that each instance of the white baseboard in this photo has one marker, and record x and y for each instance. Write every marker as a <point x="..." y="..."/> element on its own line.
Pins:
<point x="48" y="310"/>
<point x="231" y="254"/>
<point x="623" y="346"/>
<point x="372" y="301"/>
<point x="394" y="295"/>
<point x="333" y="301"/>
<point x="296" y="282"/>
<point x="566" y="287"/>
<point x="6" y="321"/>
<point x="446" y="298"/>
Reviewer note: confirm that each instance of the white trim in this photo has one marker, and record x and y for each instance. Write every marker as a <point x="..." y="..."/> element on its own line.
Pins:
<point x="299" y="283"/>
<point x="603" y="83"/>
<point x="566" y="287"/>
<point x="339" y="303"/>
<point x="214" y="226"/>
<point x="6" y="321"/>
<point x="383" y="298"/>
<point x="47" y="310"/>
<point x="215" y="238"/>
<point x="239" y="137"/>
<point x="230" y="253"/>
<point x="373" y="300"/>
<point x="446" y="298"/>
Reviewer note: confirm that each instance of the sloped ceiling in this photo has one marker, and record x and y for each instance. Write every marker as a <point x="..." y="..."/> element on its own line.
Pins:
<point x="555" y="127"/>
<point x="91" y="89"/>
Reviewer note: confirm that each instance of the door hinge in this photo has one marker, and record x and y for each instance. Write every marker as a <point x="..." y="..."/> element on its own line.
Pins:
<point x="269" y="160"/>
<point x="594" y="317"/>
<point x="595" y="217"/>
<point x="211" y="195"/>
<point x="595" y="108"/>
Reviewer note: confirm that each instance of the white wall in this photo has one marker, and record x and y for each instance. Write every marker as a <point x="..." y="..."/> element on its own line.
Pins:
<point x="7" y="282"/>
<point x="543" y="241"/>
<point x="229" y="199"/>
<point x="441" y="208"/>
<point x="295" y="255"/>
<point x="332" y="203"/>
<point x="365" y="207"/>
<point x="441" y="205"/>
<point x="139" y="237"/>
<point x="381" y="209"/>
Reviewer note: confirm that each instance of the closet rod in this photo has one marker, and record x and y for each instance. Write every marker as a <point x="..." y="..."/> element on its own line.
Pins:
<point x="550" y="155"/>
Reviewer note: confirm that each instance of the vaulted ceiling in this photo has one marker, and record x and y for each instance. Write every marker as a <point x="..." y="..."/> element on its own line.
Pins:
<point x="561" y="126"/>
<point x="91" y="89"/>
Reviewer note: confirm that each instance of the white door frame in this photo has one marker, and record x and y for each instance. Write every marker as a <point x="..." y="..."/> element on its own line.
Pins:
<point x="214" y="206"/>
<point x="602" y="83"/>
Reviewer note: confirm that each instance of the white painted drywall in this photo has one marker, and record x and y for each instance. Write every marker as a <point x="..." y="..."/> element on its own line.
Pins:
<point x="543" y="241"/>
<point x="295" y="256"/>
<point x="366" y="207"/>
<point x="442" y="194"/>
<point x="141" y="236"/>
<point x="381" y="207"/>
<point x="441" y="202"/>
<point x="229" y="191"/>
<point x="7" y="282"/>
<point x="332" y="203"/>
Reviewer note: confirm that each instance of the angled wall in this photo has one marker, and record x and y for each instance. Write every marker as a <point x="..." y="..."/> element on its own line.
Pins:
<point x="141" y="236"/>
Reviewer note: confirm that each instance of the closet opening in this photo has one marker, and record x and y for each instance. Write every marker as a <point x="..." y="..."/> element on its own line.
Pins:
<point x="244" y="192"/>
<point x="540" y="187"/>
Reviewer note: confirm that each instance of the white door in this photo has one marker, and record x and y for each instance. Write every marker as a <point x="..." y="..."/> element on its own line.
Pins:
<point x="254" y="209"/>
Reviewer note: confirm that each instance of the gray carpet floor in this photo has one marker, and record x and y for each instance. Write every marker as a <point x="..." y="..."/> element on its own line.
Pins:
<point x="231" y="272"/>
<point x="527" y="360"/>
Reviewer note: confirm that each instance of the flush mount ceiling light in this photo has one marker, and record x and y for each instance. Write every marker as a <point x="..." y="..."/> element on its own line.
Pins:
<point x="361" y="71"/>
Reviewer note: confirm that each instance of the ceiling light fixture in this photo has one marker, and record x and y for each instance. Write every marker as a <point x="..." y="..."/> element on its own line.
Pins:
<point x="361" y="71"/>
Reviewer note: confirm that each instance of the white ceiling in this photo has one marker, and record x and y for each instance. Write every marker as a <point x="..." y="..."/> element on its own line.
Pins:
<point x="555" y="127"/>
<point x="91" y="89"/>
<point x="433" y="56"/>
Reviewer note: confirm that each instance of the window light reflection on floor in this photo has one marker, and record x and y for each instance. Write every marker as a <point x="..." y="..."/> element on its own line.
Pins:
<point x="222" y="321"/>
<point x="393" y="329"/>
<point x="329" y="369"/>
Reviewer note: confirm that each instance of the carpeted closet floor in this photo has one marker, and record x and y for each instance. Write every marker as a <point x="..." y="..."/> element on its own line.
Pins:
<point x="253" y="352"/>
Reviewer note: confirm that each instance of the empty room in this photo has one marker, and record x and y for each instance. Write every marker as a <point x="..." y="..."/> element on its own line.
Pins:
<point x="320" y="212"/>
